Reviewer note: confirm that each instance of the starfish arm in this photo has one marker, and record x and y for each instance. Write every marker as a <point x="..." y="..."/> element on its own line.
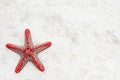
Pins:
<point x="28" y="40"/>
<point x="14" y="48"/>
<point x="42" y="47"/>
<point x="37" y="62"/>
<point x="21" y="64"/>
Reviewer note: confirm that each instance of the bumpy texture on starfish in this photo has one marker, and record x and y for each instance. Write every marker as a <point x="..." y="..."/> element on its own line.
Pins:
<point x="28" y="52"/>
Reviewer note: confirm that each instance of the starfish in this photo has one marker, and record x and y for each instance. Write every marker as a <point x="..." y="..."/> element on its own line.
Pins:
<point x="28" y="52"/>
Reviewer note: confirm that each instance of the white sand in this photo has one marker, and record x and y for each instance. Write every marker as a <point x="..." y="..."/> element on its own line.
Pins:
<point x="85" y="36"/>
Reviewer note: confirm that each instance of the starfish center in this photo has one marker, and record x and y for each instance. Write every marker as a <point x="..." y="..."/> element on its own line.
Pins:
<point x="28" y="51"/>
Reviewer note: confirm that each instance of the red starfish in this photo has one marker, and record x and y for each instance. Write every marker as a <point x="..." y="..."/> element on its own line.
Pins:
<point x="28" y="52"/>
